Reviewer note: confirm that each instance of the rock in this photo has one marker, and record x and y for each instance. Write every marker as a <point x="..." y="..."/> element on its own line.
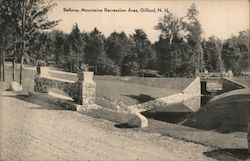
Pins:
<point x="14" y="86"/>
<point x="138" y="120"/>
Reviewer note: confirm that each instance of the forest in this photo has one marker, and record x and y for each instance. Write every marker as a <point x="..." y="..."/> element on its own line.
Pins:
<point x="27" y="36"/>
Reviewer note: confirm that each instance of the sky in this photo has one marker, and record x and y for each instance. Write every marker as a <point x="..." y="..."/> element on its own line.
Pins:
<point x="220" y="18"/>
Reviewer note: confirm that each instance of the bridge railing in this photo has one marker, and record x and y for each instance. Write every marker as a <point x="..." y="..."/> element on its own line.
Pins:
<point x="82" y="91"/>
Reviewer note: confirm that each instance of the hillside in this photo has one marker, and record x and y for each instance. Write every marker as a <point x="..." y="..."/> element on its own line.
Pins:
<point x="225" y="113"/>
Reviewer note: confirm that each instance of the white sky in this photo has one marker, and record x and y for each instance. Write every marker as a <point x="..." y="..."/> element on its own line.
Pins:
<point x="220" y="18"/>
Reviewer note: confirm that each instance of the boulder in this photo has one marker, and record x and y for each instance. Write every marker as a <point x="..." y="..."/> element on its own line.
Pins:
<point x="138" y="120"/>
<point x="14" y="86"/>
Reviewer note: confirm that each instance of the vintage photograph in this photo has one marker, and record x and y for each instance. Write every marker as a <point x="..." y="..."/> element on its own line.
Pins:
<point x="124" y="80"/>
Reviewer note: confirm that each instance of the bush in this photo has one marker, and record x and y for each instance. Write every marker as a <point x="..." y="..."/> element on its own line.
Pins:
<point x="106" y="66"/>
<point x="130" y="68"/>
<point x="149" y="73"/>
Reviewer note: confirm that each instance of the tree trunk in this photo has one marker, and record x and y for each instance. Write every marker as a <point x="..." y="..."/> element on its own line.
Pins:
<point x="71" y="66"/>
<point x="13" y="66"/>
<point x="3" y="58"/>
<point x="21" y="69"/>
<point x="3" y="62"/>
<point x="96" y="69"/>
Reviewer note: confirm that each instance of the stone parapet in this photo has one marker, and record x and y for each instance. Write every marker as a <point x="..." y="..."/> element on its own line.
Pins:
<point x="229" y="85"/>
<point x="83" y="91"/>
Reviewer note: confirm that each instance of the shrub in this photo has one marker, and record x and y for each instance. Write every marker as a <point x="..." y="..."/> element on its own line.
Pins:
<point x="106" y="66"/>
<point x="149" y="73"/>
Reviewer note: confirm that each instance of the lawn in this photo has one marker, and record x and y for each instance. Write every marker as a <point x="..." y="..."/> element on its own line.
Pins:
<point x="245" y="80"/>
<point x="129" y="90"/>
<point x="228" y="112"/>
<point x="132" y="90"/>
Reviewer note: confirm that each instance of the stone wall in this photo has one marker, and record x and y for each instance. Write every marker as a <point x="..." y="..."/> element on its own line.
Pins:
<point x="229" y="85"/>
<point x="193" y="88"/>
<point x="82" y="92"/>
<point x="190" y="96"/>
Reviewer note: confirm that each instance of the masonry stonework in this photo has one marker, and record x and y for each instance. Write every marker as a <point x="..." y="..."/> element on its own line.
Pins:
<point x="83" y="92"/>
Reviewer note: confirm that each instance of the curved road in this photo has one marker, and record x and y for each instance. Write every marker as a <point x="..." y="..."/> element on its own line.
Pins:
<point x="40" y="131"/>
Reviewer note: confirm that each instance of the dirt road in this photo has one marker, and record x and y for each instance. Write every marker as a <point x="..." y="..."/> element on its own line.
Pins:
<point x="44" y="132"/>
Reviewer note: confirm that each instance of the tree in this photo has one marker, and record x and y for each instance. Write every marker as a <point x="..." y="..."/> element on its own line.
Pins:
<point x="118" y="46"/>
<point x="235" y="53"/>
<point x="106" y="66"/>
<point x="193" y="28"/>
<point x="76" y="49"/>
<point x="244" y="45"/>
<point x="231" y="55"/>
<point x="169" y="46"/>
<point x="42" y="47"/>
<point x="8" y="26"/>
<point x="32" y="19"/>
<point x="60" y="40"/>
<point x="130" y="66"/>
<point x="95" y="46"/>
<point x="142" y="48"/>
<point x="212" y="54"/>
<point x="170" y="27"/>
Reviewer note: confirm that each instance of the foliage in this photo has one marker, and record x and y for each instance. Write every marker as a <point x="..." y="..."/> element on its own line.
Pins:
<point x="74" y="48"/>
<point x="106" y="66"/>
<point x="142" y="49"/>
<point x="130" y="66"/>
<point x="170" y="46"/>
<point x="179" y="51"/>
<point x="149" y="73"/>
<point x="193" y="28"/>
<point x="94" y="47"/>
<point x="118" y="46"/>
<point x="59" y="43"/>
<point x="235" y="53"/>
<point x="212" y="54"/>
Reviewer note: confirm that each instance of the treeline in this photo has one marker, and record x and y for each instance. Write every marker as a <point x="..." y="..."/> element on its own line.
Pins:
<point x="180" y="50"/>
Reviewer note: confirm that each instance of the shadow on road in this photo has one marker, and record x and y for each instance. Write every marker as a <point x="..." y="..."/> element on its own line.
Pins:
<point x="233" y="154"/>
<point x="123" y="126"/>
<point x="42" y="104"/>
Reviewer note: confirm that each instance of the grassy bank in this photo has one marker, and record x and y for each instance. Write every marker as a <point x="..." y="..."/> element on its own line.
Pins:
<point x="225" y="113"/>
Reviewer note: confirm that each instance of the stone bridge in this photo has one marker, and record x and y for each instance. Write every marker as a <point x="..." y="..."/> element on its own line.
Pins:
<point x="217" y="83"/>
<point x="82" y="91"/>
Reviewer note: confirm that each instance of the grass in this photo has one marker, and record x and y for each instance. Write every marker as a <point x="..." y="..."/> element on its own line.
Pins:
<point x="129" y="90"/>
<point x="245" y="80"/>
<point x="130" y="93"/>
<point x="208" y="138"/>
<point x="212" y="116"/>
<point x="226" y="113"/>
<point x="133" y="90"/>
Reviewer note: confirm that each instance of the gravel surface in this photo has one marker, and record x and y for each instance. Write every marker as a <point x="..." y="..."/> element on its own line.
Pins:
<point x="32" y="131"/>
